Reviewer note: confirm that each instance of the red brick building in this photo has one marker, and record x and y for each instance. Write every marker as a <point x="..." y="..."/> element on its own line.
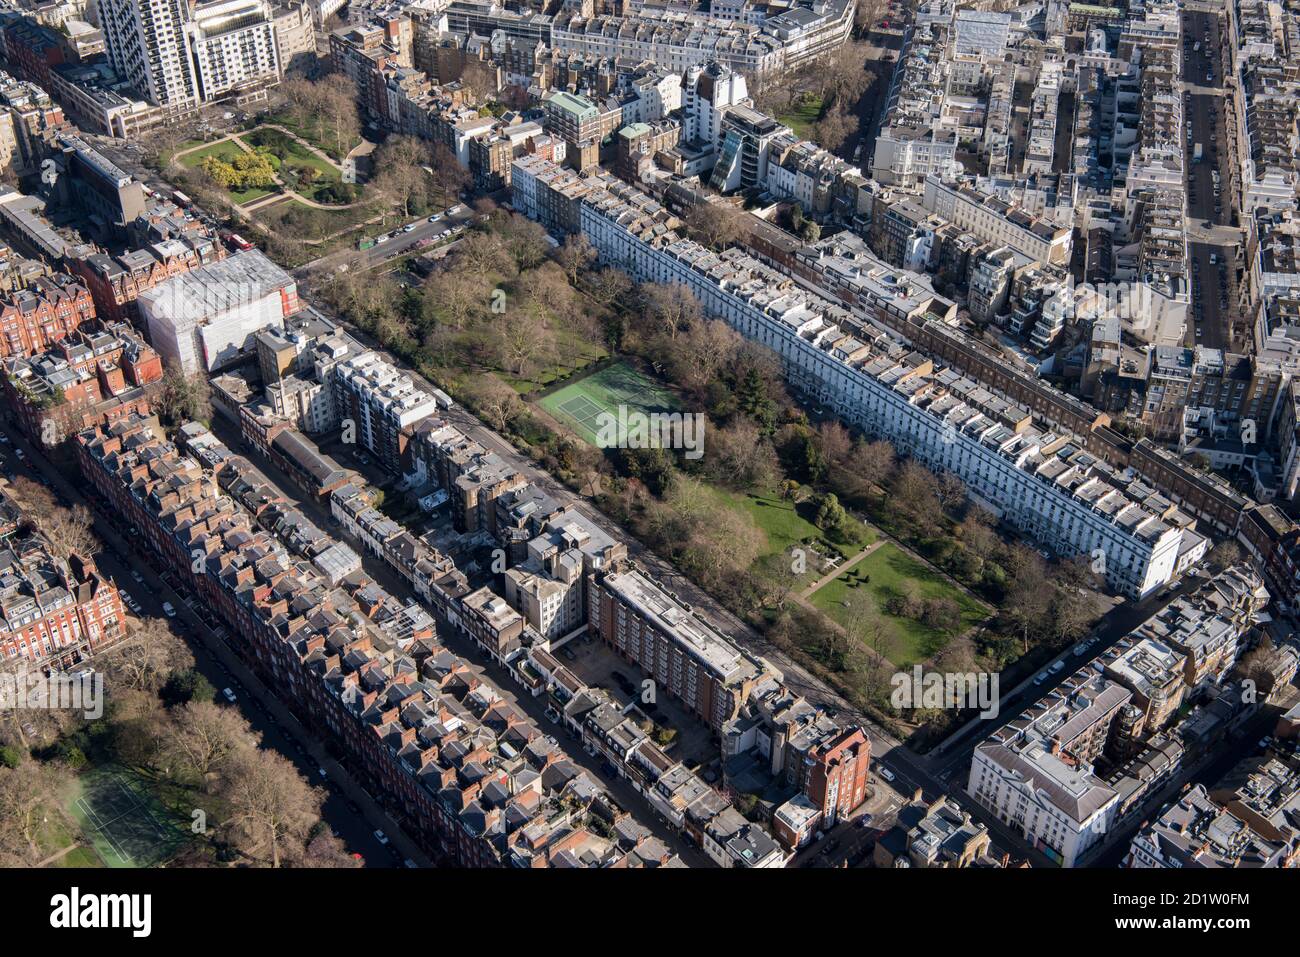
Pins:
<point x="835" y="774"/>
<point x="48" y="311"/>
<point x="52" y="612"/>
<point x="115" y="282"/>
<point x="95" y="377"/>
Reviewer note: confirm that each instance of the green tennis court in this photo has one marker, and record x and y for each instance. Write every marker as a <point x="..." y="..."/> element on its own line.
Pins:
<point x="126" y="826"/>
<point x="581" y="405"/>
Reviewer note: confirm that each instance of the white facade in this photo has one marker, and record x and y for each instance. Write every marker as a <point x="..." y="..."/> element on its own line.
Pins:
<point x="145" y="42"/>
<point x="1019" y="800"/>
<point x="1039" y="480"/>
<point x="707" y="94"/>
<point x="207" y="318"/>
<point x="233" y="46"/>
<point x="905" y="157"/>
<point x="380" y="402"/>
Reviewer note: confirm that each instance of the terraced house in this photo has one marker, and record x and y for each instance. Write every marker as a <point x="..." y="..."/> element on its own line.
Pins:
<point x="468" y="774"/>
<point x="54" y="612"/>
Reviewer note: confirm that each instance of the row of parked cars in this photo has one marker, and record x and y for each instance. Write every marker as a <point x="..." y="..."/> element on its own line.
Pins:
<point x="1078" y="651"/>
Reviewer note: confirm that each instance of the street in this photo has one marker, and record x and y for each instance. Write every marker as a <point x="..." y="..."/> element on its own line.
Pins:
<point x="1212" y="236"/>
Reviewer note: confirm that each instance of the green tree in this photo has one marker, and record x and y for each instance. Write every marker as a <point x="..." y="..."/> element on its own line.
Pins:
<point x="830" y="513"/>
<point x="185" y="686"/>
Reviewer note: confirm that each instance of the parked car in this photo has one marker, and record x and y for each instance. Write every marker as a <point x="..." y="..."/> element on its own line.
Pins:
<point x="1057" y="668"/>
<point x="169" y="609"/>
<point x="1041" y="678"/>
<point x="1080" y="648"/>
<point x="381" y="837"/>
<point x="229" y="695"/>
<point x="885" y="774"/>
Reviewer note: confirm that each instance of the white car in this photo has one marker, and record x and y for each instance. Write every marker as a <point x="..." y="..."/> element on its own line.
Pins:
<point x="137" y="576"/>
<point x="1081" y="648"/>
<point x="1056" y="668"/>
<point x="228" y="695"/>
<point x="1041" y="678"/>
<point x="169" y="610"/>
<point x="381" y="837"/>
<point x="885" y="774"/>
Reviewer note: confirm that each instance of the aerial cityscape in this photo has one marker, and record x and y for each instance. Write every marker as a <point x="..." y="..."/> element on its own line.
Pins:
<point x="709" y="434"/>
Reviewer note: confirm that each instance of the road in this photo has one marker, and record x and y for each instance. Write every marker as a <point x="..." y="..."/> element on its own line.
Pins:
<point x="1210" y="216"/>
<point x="351" y="259"/>
<point x="348" y="809"/>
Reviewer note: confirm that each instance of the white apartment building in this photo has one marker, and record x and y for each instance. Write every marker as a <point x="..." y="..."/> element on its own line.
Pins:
<point x="906" y="155"/>
<point x="1036" y="773"/>
<point x="379" y="402"/>
<point x="1042" y="482"/>
<point x="145" y="42"/>
<point x="549" y="587"/>
<point x="676" y="41"/>
<point x="233" y="46"/>
<point x="996" y="221"/>
<point x="708" y="92"/>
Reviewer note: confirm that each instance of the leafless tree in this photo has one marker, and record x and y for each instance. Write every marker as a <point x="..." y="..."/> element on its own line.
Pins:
<point x="204" y="737"/>
<point x="271" y="808"/>
<point x="575" y="255"/>
<point x="671" y="308"/>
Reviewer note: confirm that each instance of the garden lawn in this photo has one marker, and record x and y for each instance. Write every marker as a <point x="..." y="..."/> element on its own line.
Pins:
<point x="225" y="150"/>
<point x="803" y="114"/>
<point x="883" y="573"/>
<point x="789" y="526"/>
<point x="294" y="156"/>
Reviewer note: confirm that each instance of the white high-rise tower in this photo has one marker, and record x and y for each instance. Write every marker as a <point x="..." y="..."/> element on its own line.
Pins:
<point x="145" y="41"/>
